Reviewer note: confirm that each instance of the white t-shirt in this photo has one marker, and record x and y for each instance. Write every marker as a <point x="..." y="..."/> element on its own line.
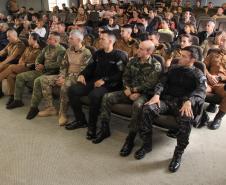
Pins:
<point x="40" y="31"/>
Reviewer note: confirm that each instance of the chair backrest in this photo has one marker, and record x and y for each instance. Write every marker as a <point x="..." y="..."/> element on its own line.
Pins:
<point x="160" y="59"/>
<point x="195" y="40"/>
<point x="211" y="12"/>
<point x="222" y="26"/>
<point x="166" y="37"/>
<point x="198" y="12"/>
<point x="92" y="49"/>
<point x="199" y="51"/>
<point x="200" y="66"/>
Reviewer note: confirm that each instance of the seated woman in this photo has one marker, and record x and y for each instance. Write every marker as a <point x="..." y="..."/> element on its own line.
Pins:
<point x="190" y="29"/>
<point x="24" y="34"/>
<point x="25" y="63"/>
<point x="112" y="25"/>
<point x="139" y="32"/>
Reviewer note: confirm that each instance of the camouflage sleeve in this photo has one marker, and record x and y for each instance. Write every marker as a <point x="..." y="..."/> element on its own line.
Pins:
<point x="55" y="65"/>
<point x="151" y="79"/>
<point x="127" y="75"/>
<point x="41" y="57"/>
<point x="86" y="59"/>
<point x="200" y="91"/>
<point x="159" y="88"/>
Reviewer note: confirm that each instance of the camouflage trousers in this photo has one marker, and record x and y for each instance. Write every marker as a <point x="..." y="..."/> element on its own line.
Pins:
<point x="151" y="112"/>
<point x="48" y="82"/>
<point x="24" y="79"/>
<point x="117" y="97"/>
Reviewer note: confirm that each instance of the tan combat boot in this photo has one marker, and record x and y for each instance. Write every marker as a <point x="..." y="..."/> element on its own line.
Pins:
<point x="49" y="111"/>
<point x="62" y="119"/>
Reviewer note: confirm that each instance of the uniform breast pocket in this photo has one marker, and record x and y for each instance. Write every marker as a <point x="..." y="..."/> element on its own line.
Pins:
<point x="49" y="56"/>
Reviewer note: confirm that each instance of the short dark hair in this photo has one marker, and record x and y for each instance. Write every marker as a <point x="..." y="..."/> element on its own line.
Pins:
<point x="193" y="51"/>
<point x="189" y="36"/>
<point x="35" y="36"/>
<point x="55" y="33"/>
<point x="110" y="34"/>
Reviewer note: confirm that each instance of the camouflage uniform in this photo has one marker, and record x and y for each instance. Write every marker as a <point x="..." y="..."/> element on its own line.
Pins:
<point x="73" y="63"/>
<point x="139" y="77"/>
<point x="51" y="58"/>
<point x="178" y="85"/>
<point x="130" y="47"/>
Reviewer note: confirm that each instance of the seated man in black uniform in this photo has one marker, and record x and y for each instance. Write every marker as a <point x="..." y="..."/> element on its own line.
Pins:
<point x="102" y="75"/>
<point x="181" y="92"/>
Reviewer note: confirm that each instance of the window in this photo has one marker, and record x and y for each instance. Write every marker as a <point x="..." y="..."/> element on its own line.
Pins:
<point x="59" y="3"/>
<point x="92" y="1"/>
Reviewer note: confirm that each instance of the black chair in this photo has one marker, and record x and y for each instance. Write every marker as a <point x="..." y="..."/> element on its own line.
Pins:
<point x="92" y="49"/>
<point x="160" y="59"/>
<point x="166" y="37"/>
<point x="199" y="51"/>
<point x="222" y="26"/>
<point x="195" y="40"/>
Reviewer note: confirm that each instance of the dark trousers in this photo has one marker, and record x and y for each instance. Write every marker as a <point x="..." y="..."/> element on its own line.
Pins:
<point x="151" y="112"/>
<point x="95" y="94"/>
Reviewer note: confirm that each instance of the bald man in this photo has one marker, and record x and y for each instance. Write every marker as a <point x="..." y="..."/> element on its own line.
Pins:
<point x="140" y="77"/>
<point x="13" y="51"/>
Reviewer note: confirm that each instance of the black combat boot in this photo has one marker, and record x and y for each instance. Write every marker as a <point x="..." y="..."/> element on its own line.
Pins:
<point x="146" y="148"/>
<point x="176" y="160"/>
<point x="204" y="119"/>
<point x="15" y="104"/>
<point x="215" y="124"/>
<point x="128" y="145"/>
<point x="32" y="113"/>
<point x="91" y="133"/>
<point x="76" y="124"/>
<point x="211" y="108"/>
<point x="103" y="134"/>
<point x="10" y="100"/>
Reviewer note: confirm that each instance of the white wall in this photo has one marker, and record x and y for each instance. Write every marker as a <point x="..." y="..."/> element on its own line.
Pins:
<point x="36" y="4"/>
<point x="3" y="6"/>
